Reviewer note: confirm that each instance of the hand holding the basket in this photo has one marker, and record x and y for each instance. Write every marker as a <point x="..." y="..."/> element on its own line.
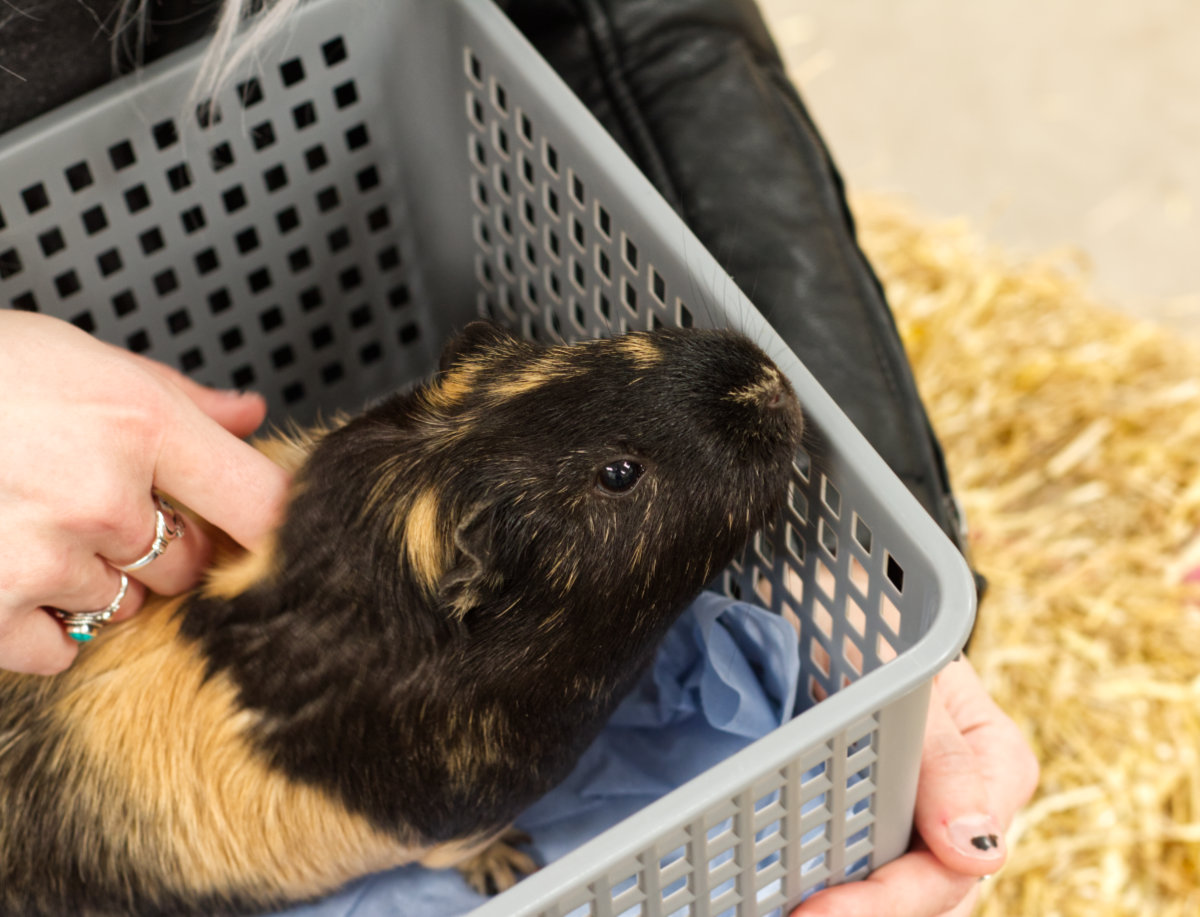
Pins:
<point x="90" y="432"/>
<point x="977" y="770"/>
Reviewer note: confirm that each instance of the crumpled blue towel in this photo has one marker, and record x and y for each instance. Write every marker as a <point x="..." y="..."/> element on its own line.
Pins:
<point x="726" y="674"/>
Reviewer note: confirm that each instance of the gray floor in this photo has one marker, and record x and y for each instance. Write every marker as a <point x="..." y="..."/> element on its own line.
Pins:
<point x="1046" y="122"/>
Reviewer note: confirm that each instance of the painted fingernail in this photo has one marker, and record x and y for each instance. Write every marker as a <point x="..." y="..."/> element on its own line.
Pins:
<point x="976" y="836"/>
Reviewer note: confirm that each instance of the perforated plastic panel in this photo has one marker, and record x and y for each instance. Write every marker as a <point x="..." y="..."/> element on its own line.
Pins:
<point x="388" y="172"/>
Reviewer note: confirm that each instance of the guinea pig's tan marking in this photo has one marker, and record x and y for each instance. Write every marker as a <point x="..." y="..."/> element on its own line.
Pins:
<point x="641" y="349"/>
<point x="760" y="390"/>
<point x="552" y="366"/>
<point x="241" y="571"/>
<point x="176" y="777"/>
<point x="423" y="540"/>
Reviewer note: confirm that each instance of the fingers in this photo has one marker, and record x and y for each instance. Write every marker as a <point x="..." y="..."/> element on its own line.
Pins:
<point x="224" y="480"/>
<point x="35" y="643"/>
<point x="1006" y="762"/>
<point x="181" y="562"/>
<point x="954" y="811"/>
<point x="241" y="413"/>
<point x="915" y="885"/>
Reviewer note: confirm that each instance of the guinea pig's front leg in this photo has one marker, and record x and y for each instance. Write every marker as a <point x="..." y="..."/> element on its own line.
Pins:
<point x="490" y="866"/>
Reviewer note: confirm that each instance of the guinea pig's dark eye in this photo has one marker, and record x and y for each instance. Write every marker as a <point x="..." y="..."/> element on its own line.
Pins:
<point x="619" y="477"/>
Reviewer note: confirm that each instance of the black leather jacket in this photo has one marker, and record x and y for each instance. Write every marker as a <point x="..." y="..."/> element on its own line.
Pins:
<point x="695" y="92"/>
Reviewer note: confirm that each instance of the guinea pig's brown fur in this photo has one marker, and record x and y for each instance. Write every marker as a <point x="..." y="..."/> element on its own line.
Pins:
<point x="464" y="586"/>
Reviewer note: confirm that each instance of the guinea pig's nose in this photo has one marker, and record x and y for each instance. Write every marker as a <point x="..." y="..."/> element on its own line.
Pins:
<point x="777" y="392"/>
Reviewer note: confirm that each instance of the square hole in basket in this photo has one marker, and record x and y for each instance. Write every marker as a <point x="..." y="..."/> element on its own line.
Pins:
<point x="820" y="657"/>
<point x="151" y="241"/>
<point x="193" y="219"/>
<point x="206" y="261"/>
<point x="859" y="577"/>
<point x="109" y="262"/>
<point x="51" y="242"/>
<point x="259" y="280"/>
<point x="124" y="303"/>
<point x="67" y="284"/>
<point x="234" y="199"/>
<point x="328" y="199"/>
<point x="138" y="342"/>
<point x="826" y="581"/>
<point x="121" y="155"/>
<point x="262" y="135"/>
<point x="856" y="617"/>
<point x="300" y="259"/>
<point x="84" y="322"/>
<point x="166" y="282"/>
<point x="287" y="219"/>
<point x="137" y="198"/>
<point x="828" y="538"/>
<point x="179" y="321"/>
<point x="94" y="220"/>
<point x="357" y="137"/>
<point x="862" y="534"/>
<point x="165" y="134"/>
<point x="345" y="95"/>
<point x="831" y="497"/>
<point x="179" y="177"/>
<point x="884" y="649"/>
<point x="219" y="301"/>
<point x="822" y="620"/>
<point x="895" y="573"/>
<point x="246" y="240"/>
<point x="802" y="464"/>
<point x="890" y="614"/>
<point x="208" y="113"/>
<point x="79" y="176"/>
<point x="795" y="543"/>
<point x="10" y="264"/>
<point x="334" y="51"/>
<point x="311" y="299"/>
<point x="852" y="654"/>
<point x="275" y="178"/>
<point x="473" y="68"/>
<point x="798" y="501"/>
<point x="220" y="157"/>
<point x="291" y="71"/>
<point x="304" y="115"/>
<point x="250" y="93"/>
<point x="762" y="587"/>
<point x="367" y="178"/>
<point x="25" y="302"/>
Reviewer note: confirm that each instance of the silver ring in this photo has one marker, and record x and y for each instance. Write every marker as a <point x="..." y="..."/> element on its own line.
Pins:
<point x="164" y="534"/>
<point x="82" y="626"/>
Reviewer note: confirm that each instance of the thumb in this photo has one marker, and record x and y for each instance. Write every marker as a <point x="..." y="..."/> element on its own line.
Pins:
<point x="953" y="812"/>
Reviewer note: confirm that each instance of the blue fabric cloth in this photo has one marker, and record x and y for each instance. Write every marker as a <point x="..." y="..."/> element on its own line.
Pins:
<point x="726" y="674"/>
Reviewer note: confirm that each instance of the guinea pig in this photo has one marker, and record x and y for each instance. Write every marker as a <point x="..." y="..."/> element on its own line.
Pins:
<point x="469" y="577"/>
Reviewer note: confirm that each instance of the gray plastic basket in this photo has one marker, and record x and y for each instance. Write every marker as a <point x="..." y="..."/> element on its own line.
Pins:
<point x="381" y="174"/>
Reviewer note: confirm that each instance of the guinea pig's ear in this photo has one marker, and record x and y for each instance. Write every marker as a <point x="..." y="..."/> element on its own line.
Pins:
<point x="475" y="337"/>
<point x="469" y="578"/>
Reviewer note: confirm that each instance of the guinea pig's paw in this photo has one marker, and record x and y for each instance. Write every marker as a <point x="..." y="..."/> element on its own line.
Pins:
<point x="500" y="865"/>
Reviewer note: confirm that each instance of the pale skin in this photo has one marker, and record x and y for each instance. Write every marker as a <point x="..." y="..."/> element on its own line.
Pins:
<point x="977" y="771"/>
<point x="90" y="431"/>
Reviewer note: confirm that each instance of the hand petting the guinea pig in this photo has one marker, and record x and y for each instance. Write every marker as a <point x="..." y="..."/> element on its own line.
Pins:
<point x="89" y="433"/>
<point x="977" y="770"/>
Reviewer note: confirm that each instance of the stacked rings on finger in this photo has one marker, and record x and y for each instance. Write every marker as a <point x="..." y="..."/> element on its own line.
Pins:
<point x="164" y="534"/>
<point x="82" y="626"/>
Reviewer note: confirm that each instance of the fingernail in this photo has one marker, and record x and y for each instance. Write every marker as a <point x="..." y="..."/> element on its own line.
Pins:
<point x="976" y="836"/>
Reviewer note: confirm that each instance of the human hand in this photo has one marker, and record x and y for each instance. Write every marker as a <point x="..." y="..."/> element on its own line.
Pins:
<point x="976" y="771"/>
<point x="88" y="431"/>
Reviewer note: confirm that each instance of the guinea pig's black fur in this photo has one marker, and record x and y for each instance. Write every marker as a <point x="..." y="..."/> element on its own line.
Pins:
<point x="462" y="590"/>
